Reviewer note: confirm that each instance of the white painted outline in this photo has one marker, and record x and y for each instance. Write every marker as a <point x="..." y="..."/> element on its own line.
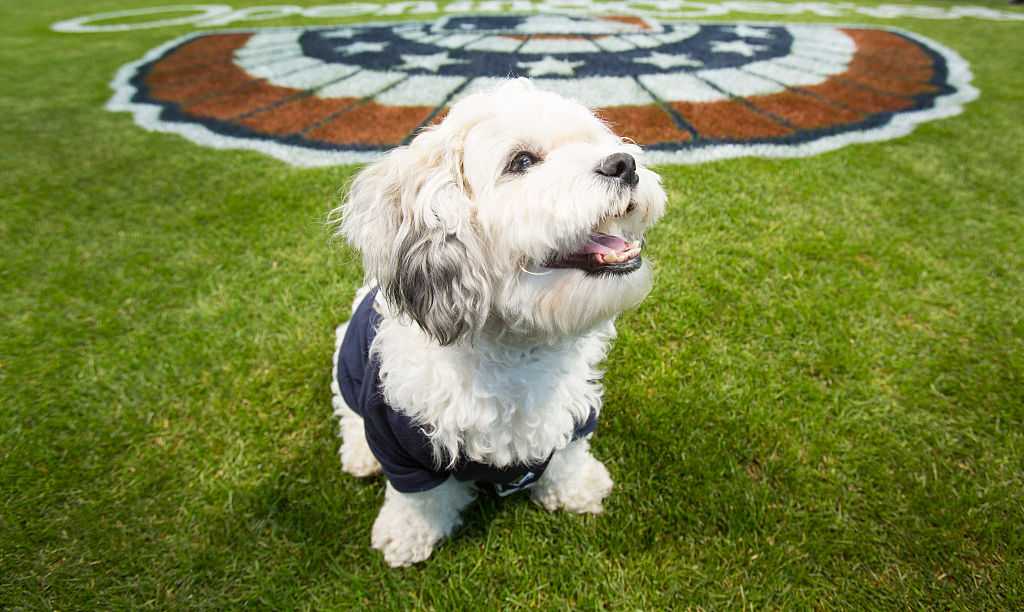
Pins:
<point x="80" y="25"/>
<point x="698" y="10"/>
<point x="147" y="116"/>
<point x="900" y="124"/>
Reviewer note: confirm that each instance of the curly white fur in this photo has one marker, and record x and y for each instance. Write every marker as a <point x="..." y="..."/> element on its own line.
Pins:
<point x="410" y="525"/>
<point x="493" y="354"/>
<point x="523" y="403"/>
<point x="574" y="481"/>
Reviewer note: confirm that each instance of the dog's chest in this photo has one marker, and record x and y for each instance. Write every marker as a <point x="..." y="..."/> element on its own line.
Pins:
<point x="532" y="381"/>
<point x="494" y="405"/>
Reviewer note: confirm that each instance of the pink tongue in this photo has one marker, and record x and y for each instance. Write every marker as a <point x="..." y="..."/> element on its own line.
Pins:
<point x="604" y="243"/>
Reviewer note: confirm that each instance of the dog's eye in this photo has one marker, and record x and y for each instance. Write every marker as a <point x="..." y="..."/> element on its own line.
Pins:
<point x="521" y="162"/>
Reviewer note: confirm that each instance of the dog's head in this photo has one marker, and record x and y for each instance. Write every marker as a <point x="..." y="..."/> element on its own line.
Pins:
<point x="521" y="213"/>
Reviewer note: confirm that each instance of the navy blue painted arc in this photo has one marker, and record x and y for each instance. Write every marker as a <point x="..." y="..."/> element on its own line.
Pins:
<point x="475" y="63"/>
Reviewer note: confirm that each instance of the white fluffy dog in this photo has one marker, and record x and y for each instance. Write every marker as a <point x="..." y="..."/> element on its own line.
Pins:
<point x="499" y="246"/>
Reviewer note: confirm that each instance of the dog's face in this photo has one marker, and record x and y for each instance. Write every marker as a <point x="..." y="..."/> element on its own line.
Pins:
<point x="521" y="213"/>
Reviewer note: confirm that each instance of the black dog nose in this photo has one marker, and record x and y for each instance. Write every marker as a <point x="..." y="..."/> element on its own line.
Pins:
<point x="621" y="166"/>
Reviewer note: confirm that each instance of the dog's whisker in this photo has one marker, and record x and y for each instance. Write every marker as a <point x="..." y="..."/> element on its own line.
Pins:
<point x="534" y="273"/>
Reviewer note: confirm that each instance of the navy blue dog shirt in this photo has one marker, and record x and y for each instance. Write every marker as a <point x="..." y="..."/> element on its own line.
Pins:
<point x="399" y="444"/>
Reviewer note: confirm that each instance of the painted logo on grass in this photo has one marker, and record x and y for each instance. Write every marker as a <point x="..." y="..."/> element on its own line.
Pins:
<point x="688" y="92"/>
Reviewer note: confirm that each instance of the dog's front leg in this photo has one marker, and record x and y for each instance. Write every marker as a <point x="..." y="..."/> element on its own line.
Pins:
<point x="574" y="481"/>
<point x="410" y="525"/>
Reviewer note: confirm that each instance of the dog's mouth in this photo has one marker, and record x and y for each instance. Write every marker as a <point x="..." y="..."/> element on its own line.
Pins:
<point x="601" y="254"/>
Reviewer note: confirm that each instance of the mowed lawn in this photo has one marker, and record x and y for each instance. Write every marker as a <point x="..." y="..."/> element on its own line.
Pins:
<point x="821" y="404"/>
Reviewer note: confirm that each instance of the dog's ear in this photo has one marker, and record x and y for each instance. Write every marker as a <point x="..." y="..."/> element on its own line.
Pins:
<point x="411" y="218"/>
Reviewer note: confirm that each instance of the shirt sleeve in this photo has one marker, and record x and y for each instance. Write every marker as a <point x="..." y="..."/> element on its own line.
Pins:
<point x="401" y="447"/>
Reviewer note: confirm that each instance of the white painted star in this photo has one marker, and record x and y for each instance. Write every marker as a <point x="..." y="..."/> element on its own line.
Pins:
<point x="363" y="47"/>
<point x="745" y="31"/>
<point x="550" y="65"/>
<point x="432" y="63"/>
<point x="740" y="47"/>
<point x="340" y="33"/>
<point x="666" y="61"/>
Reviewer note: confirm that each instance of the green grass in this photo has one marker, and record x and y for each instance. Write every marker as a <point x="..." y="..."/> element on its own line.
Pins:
<point x="820" y="405"/>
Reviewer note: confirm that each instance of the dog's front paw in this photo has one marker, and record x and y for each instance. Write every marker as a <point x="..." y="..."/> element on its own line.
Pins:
<point x="574" y="481"/>
<point x="410" y="525"/>
<point x="404" y="538"/>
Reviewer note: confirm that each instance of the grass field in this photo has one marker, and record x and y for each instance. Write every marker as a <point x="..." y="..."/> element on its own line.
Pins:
<point x="820" y="405"/>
